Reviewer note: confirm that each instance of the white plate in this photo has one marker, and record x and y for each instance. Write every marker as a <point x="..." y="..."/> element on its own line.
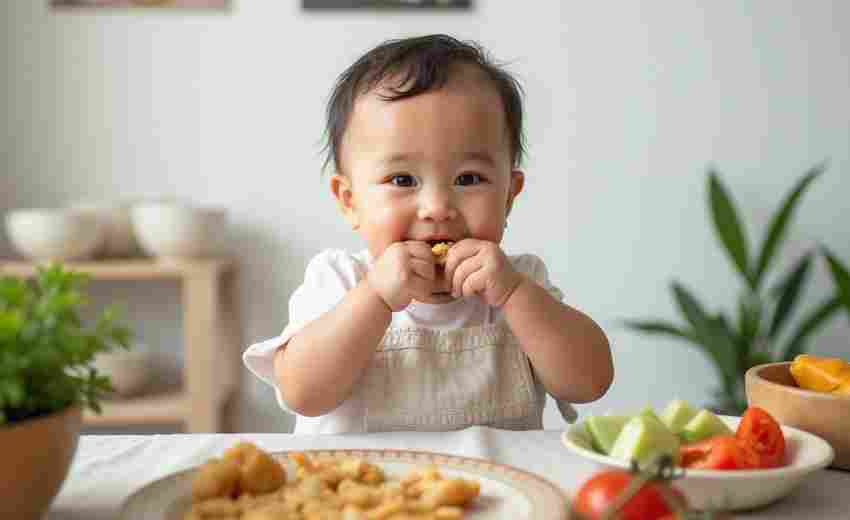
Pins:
<point x="730" y="490"/>
<point x="507" y="493"/>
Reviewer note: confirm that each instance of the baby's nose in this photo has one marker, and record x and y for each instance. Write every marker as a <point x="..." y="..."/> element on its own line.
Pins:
<point x="436" y="205"/>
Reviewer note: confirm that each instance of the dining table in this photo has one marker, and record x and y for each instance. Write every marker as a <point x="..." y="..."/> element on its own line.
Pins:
<point x="108" y="468"/>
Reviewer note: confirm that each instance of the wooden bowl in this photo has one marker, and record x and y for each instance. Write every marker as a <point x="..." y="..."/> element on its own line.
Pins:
<point x="773" y="388"/>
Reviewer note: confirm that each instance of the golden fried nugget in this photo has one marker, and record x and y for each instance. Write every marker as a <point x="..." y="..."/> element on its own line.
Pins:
<point x="219" y="507"/>
<point x="271" y="512"/>
<point x="217" y="478"/>
<point x="261" y="473"/>
<point x="240" y="451"/>
<point x="451" y="492"/>
<point x="440" y="251"/>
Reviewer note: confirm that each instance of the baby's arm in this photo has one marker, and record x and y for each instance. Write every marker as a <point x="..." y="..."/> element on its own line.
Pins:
<point x="319" y="366"/>
<point x="568" y="350"/>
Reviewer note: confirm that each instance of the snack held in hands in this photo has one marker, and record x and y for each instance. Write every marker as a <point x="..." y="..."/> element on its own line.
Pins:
<point x="440" y="250"/>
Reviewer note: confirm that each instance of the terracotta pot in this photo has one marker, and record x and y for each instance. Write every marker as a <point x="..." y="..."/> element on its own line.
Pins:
<point x="773" y="388"/>
<point x="36" y="455"/>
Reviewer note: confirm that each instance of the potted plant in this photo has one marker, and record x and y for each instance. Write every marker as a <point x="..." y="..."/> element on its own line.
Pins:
<point x="46" y="380"/>
<point x="757" y="331"/>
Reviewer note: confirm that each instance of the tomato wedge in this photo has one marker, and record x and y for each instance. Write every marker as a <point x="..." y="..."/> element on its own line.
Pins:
<point x="719" y="452"/>
<point x="760" y="430"/>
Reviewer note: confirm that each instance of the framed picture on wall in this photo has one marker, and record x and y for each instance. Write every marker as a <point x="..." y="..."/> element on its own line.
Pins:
<point x="386" y="4"/>
<point x="174" y="4"/>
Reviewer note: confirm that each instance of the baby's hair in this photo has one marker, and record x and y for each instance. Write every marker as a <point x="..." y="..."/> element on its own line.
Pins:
<point x="422" y="64"/>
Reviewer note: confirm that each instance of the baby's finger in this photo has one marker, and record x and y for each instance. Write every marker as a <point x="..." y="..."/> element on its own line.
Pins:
<point x="459" y="253"/>
<point x="421" y="289"/>
<point x="423" y="268"/>
<point x="419" y="249"/>
<point x="474" y="283"/>
<point x="460" y="275"/>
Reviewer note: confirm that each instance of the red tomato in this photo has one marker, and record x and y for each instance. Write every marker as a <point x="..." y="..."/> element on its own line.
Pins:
<point x="719" y="452"/>
<point x="595" y="495"/>
<point x="763" y="433"/>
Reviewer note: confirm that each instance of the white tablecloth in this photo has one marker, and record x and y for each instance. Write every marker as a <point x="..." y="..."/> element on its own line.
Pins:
<point x="107" y="468"/>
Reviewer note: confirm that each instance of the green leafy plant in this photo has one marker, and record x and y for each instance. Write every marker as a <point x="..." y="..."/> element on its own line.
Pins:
<point x="46" y="349"/>
<point x="755" y="332"/>
<point x="841" y="277"/>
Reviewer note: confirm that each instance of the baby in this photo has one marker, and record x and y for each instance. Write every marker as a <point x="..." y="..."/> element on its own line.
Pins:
<point x="432" y="326"/>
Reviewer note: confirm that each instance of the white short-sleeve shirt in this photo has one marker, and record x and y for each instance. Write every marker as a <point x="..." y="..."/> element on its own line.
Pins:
<point x="438" y="367"/>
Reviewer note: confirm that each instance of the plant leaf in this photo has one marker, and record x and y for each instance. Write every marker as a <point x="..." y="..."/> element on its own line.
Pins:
<point x="789" y="291"/>
<point x="750" y="310"/>
<point x="728" y="226"/>
<point x="661" y="327"/>
<point x="711" y="333"/>
<point x="816" y="318"/>
<point x="841" y="276"/>
<point x="780" y="220"/>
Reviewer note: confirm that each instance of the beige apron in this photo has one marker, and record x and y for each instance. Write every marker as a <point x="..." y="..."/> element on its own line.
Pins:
<point x="429" y="380"/>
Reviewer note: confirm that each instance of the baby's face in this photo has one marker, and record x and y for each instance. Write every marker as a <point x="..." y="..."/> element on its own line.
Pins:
<point x="433" y="167"/>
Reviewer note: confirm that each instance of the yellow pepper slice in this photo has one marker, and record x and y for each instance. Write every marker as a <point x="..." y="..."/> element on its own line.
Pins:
<point x="820" y="374"/>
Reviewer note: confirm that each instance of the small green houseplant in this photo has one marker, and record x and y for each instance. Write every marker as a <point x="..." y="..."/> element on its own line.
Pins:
<point x="46" y="349"/>
<point x="46" y="379"/>
<point x="758" y="330"/>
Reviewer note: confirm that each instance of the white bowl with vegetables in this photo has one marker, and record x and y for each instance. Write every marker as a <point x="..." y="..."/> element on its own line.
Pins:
<point x="613" y="441"/>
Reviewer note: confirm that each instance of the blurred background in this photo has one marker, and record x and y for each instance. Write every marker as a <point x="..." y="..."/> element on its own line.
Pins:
<point x="628" y="106"/>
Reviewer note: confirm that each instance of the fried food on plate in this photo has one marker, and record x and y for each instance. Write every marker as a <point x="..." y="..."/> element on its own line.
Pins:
<point x="247" y="483"/>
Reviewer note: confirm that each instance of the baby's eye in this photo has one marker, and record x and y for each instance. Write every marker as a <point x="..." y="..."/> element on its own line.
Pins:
<point x="468" y="179"/>
<point x="403" y="181"/>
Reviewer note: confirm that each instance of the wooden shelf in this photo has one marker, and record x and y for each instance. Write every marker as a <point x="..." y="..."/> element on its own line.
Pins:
<point x="211" y="340"/>
<point x="165" y="408"/>
<point x="131" y="269"/>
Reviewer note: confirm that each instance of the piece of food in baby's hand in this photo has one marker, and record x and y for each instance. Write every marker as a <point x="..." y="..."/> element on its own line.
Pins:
<point x="440" y="251"/>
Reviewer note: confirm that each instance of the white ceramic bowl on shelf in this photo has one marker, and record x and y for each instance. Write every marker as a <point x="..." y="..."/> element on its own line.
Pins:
<point x="120" y="240"/>
<point x="130" y="371"/>
<point x="55" y="234"/>
<point x="177" y="231"/>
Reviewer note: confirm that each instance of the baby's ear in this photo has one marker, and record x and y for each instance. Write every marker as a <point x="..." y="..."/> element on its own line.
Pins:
<point x="344" y="195"/>
<point x="517" y="182"/>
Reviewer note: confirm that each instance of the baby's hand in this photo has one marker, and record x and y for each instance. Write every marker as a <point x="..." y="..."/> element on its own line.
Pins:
<point x="405" y="270"/>
<point x="481" y="267"/>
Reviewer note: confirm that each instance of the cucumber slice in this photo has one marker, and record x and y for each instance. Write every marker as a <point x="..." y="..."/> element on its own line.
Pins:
<point x="604" y="429"/>
<point x="643" y="439"/>
<point x="677" y="414"/>
<point x="649" y="412"/>
<point x="704" y="425"/>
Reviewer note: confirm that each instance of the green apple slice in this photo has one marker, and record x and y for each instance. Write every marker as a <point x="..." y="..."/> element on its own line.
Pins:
<point x="677" y="414"/>
<point x="604" y="429"/>
<point x="704" y="425"/>
<point x="643" y="439"/>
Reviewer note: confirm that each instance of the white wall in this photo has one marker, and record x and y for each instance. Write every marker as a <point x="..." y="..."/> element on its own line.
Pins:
<point x="628" y="103"/>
